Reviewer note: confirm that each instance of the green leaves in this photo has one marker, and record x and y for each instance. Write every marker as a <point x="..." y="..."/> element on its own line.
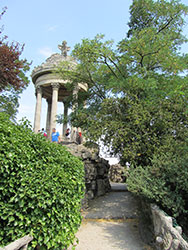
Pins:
<point x="161" y="14"/>
<point x="154" y="37"/>
<point x="165" y="180"/>
<point x="137" y="98"/>
<point x="41" y="186"/>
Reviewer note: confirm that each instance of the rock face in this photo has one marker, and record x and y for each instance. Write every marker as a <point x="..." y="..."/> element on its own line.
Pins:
<point x="117" y="173"/>
<point x="96" y="171"/>
<point x="158" y="229"/>
<point x="167" y="236"/>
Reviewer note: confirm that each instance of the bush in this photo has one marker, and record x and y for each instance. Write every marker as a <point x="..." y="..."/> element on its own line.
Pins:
<point x="41" y="186"/>
<point x="165" y="182"/>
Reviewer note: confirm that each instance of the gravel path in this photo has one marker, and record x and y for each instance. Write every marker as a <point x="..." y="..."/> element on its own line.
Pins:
<point x="111" y="223"/>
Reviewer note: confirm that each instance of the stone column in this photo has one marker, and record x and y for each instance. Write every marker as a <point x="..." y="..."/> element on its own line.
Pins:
<point x="55" y="88"/>
<point x="38" y="109"/>
<point x="75" y="96"/>
<point x="48" y="118"/>
<point x="65" y="117"/>
<point x="74" y="130"/>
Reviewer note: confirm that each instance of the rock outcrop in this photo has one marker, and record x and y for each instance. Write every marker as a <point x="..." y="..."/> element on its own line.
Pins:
<point x="96" y="171"/>
<point x="117" y="173"/>
<point x="168" y="236"/>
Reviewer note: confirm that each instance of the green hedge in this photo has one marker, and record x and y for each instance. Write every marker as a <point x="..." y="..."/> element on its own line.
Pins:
<point x="165" y="181"/>
<point x="41" y="186"/>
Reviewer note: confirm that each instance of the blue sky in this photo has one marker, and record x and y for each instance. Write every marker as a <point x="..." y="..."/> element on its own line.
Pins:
<point x="43" y="24"/>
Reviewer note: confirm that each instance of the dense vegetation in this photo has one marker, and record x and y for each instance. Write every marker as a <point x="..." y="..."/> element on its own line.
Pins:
<point x="137" y="100"/>
<point x="41" y="186"/>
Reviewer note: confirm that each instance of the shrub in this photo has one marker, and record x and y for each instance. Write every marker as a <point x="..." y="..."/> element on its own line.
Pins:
<point x="165" y="181"/>
<point x="41" y="186"/>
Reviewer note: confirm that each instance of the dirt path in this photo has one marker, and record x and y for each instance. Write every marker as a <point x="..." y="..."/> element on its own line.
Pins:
<point x="111" y="223"/>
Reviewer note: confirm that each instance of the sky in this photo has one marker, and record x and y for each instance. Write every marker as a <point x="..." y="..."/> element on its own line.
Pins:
<point x="43" y="24"/>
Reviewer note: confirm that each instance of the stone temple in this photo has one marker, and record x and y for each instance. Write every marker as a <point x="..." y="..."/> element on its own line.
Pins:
<point x="52" y="87"/>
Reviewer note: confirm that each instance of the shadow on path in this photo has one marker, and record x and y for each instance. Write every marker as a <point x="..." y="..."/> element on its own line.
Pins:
<point x="111" y="223"/>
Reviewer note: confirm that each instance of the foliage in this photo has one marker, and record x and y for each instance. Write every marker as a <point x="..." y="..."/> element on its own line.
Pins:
<point x="12" y="74"/>
<point x="93" y="68"/>
<point x="41" y="186"/>
<point x="134" y="91"/>
<point x="137" y="99"/>
<point x="9" y="98"/>
<point x="165" y="180"/>
<point x="11" y="66"/>
<point x="135" y="128"/>
<point x="158" y="14"/>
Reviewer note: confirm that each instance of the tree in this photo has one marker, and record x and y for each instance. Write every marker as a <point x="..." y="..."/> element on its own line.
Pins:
<point x="137" y="98"/>
<point x="159" y="14"/>
<point x="12" y="74"/>
<point x="143" y="73"/>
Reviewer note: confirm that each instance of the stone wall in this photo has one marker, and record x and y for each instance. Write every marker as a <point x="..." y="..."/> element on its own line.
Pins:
<point x="167" y="236"/>
<point x="96" y="171"/>
<point x="117" y="173"/>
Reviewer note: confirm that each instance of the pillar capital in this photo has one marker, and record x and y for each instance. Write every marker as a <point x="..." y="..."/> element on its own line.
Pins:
<point x="55" y="85"/>
<point x="38" y="89"/>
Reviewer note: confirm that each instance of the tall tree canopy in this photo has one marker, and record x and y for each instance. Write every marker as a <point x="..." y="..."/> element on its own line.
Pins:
<point x="136" y="94"/>
<point x="12" y="74"/>
<point x="138" y="100"/>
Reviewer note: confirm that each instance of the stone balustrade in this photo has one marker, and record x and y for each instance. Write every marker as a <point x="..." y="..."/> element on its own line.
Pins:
<point x="20" y="244"/>
<point x="167" y="236"/>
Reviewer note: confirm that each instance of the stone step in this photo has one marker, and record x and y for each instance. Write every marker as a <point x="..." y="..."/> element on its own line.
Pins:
<point x="67" y="142"/>
<point x="118" y="187"/>
<point x="118" y="220"/>
<point x="111" y="223"/>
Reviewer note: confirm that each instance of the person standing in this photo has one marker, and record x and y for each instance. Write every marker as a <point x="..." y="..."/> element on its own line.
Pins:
<point x="67" y="133"/>
<point x="79" y="137"/>
<point x="55" y="137"/>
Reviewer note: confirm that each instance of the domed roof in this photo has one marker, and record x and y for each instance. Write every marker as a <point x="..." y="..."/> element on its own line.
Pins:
<point x="53" y="61"/>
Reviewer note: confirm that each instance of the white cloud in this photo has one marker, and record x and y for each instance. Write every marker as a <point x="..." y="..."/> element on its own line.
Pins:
<point x="52" y="28"/>
<point x="45" y="51"/>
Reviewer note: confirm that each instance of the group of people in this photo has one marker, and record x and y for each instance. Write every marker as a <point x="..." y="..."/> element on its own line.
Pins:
<point x="55" y="136"/>
<point x="43" y="132"/>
